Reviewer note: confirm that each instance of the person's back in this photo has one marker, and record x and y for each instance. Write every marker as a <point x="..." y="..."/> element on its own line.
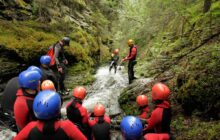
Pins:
<point x="48" y="74"/>
<point x="50" y="130"/>
<point x="100" y="124"/>
<point x="9" y="94"/>
<point x="100" y="128"/>
<point x="78" y="114"/>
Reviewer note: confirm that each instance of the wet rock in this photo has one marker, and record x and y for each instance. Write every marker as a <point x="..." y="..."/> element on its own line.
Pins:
<point x="128" y="96"/>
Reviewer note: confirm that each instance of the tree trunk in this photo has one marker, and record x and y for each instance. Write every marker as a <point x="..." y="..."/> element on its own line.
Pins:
<point x="207" y="5"/>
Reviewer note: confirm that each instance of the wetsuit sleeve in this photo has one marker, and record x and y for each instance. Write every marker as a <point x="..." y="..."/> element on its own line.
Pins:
<point x="143" y="115"/>
<point x="21" y="112"/>
<point x="23" y="134"/>
<point x="72" y="131"/>
<point x="133" y="53"/>
<point x="57" y="50"/>
<point x="154" y="119"/>
<point x="84" y="114"/>
<point x="107" y="119"/>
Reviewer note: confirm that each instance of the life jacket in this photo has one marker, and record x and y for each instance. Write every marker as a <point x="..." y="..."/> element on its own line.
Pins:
<point x="50" y="52"/>
<point x="100" y="128"/>
<point x="134" y="58"/>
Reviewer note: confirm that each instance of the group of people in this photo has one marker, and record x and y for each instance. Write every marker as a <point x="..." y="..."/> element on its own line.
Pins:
<point x="33" y="99"/>
<point x="131" y="58"/>
<point x="154" y="126"/>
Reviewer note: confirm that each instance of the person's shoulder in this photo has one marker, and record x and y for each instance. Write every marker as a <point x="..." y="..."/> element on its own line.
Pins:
<point x="31" y="125"/>
<point x="83" y="110"/>
<point x="67" y="124"/>
<point x="57" y="45"/>
<point x="107" y="119"/>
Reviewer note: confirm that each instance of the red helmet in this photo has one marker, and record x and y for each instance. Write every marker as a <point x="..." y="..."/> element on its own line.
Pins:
<point x="160" y="92"/>
<point x="99" y="110"/>
<point x="116" y="51"/>
<point x="142" y="100"/>
<point x="79" y="92"/>
<point x="47" y="85"/>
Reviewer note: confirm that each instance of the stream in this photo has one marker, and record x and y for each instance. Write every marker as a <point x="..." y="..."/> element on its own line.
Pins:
<point x="106" y="90"/>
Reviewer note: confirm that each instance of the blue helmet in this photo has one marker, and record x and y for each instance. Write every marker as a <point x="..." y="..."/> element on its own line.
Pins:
<point x="35" y="68"/>
<point x="47" y="105"/>
<point x="131" y="127"/>
<point x="29" y="79"/>
<point x="45" y="59"/>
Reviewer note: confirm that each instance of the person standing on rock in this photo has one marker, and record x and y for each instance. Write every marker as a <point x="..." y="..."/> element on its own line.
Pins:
<point x="131" y="57"/>
<point x="160" y="119"/>
<point x="100" y="124"/>
<point x="59" y="62"/>
<point x="46" y="108"/>
<point x="76" y="113"/>
<point x="29" y="82"/>
<point x="47" y="73"/>
<point x="114" y="60"/>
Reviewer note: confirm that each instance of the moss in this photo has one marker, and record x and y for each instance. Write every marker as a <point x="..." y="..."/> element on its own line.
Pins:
<point x="79" y="74"/>
<point x="195" y="128"/>
<point x="26" y="41"/>
<point x="21" y="3"/>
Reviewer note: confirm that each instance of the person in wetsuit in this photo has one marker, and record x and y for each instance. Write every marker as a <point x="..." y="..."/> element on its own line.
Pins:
<point x="29" y="81"/>
<point x="46" y="107"/>
<point x="100" y="124"/>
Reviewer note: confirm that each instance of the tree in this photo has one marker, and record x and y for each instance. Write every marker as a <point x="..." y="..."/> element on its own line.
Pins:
<point x="207" y="5"/>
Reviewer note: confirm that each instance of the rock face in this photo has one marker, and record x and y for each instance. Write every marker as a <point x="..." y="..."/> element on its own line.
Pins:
<point x="15" y="9"/>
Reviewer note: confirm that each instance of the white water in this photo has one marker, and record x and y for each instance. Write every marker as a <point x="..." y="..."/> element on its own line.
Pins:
<point x="106" y="90"/>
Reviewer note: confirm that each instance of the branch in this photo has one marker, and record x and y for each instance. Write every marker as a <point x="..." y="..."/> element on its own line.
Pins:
<point x="200" y="45"/>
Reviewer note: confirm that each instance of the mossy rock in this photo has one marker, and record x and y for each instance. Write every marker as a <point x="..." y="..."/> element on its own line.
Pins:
<point x="127" y="98"/>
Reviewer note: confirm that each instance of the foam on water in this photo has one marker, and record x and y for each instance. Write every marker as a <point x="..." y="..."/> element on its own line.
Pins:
<point x="106" y="90"/>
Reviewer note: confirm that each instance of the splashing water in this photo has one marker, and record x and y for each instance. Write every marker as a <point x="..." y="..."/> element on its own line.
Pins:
<point x="106" y="90"/>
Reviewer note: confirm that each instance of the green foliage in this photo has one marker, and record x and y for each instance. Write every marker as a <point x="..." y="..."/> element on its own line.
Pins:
<point x="194" y="129"/>
<point x="201" y="90"/>
<point x="79" y="74"/>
